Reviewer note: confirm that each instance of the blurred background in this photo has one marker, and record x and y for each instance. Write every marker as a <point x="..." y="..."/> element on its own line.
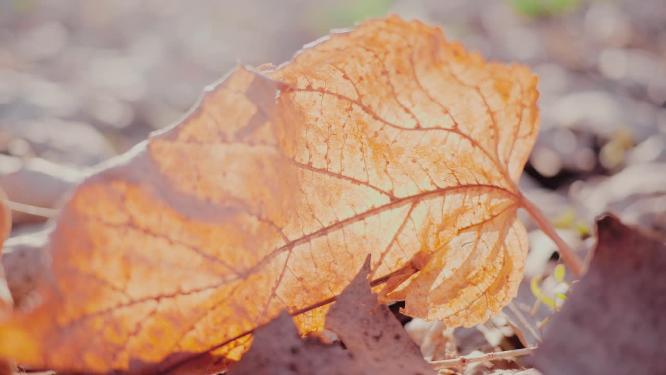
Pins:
<point x="81" y="81"/>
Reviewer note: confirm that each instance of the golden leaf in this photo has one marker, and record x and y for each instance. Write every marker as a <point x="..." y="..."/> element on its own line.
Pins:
<point x="386" y="140"/>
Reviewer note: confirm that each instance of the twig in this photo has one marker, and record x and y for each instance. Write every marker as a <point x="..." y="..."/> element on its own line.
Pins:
<point x="521" y="317"/>
<point x="568" y="256"/>
<point x="465" y="360"/>
<point x="30" y="209"/>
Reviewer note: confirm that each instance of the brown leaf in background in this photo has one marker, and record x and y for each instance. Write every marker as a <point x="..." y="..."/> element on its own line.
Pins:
<point x="376" y="342"/>
<point x="387" y="140"/>
<point x="370" y="331"/>
<point x="278" y="349"/>
<point x="613" y="321"/>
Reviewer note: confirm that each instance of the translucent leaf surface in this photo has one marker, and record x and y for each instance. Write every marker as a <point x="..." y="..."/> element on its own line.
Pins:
<point x="386" y="140"/>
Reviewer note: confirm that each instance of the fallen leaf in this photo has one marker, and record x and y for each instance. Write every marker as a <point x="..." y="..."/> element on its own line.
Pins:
<point x="371" y="332"/>
<point x="278" y="350"/>
<point x="375" y="341"/>
<point x="386" y="140"/>
<point x="613" y="321"/>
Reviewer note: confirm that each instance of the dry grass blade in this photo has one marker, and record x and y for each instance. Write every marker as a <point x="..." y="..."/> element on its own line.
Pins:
<point x="486" y="357"/>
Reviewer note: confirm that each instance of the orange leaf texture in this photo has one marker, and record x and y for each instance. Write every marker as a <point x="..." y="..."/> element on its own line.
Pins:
<point x="387" y="140"/>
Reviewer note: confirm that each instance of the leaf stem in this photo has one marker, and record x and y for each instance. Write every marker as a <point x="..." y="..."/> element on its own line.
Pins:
<point x="568" y="256"/>
<point x="465" y="360"/>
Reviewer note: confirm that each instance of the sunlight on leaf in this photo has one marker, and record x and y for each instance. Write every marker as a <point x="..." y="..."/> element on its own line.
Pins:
<point x="387" y="140"/>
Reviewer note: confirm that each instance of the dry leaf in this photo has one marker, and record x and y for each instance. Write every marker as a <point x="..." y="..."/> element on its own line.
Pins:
<point x="279" y="350"/>
<point x="370" y="331"/>
<point x="613" y="321"/>
<point x="376" y="342"/>
<point x="387" y="140"/>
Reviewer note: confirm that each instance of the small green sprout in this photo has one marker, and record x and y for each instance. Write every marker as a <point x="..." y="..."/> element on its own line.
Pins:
<point x="552" y="302"/>
<point x="568" y="220"/>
